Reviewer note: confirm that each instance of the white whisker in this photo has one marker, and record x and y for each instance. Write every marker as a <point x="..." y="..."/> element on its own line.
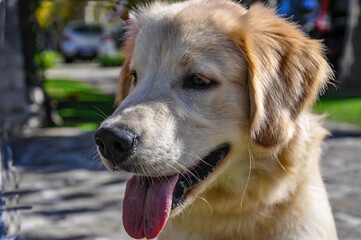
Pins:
<point x="209" y="205"/>
<point x="187" y="171"/>
<point x="197" y="157"/>
<point x="279" y="162"/>
<point x="103" y="115"/>
<point x="249" y="174"/>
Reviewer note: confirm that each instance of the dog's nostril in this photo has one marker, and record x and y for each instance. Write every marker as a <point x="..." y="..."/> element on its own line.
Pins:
<point x="124" y="144"/>
<point x="100" y="143"/>
<point x="117" y="146"/>
<point x="102" y="147"/>
<point x="121" y="147"/>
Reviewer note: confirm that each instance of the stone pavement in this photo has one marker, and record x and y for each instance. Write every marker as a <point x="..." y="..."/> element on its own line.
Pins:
<point x="73" y="197"/>
<point x="342" y="173"/>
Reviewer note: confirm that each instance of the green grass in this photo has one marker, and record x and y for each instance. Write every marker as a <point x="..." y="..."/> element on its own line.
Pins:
<point x="48" y="59"/>
<point x="107" y="61"/>
<point x="79" y="104"/>
<point x="341" y="110"/>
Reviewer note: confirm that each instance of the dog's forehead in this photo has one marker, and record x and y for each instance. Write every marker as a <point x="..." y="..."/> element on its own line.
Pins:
<point x="178" y="38"/>
<point x="181" y="38"/>
<point x="187" y="38"/>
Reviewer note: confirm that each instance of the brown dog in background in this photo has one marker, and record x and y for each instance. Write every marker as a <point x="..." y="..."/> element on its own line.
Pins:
<point x="215" y="124"/>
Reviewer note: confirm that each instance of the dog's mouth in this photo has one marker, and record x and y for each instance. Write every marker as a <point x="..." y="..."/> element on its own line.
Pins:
<point x="148" y="201"/>
<point x="197" y="174"/>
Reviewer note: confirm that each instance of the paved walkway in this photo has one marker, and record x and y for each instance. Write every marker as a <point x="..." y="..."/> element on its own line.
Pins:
<point x="72" y="196"/>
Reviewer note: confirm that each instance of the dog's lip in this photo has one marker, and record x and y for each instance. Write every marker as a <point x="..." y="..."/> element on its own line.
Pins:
<point x="198" y="173"/>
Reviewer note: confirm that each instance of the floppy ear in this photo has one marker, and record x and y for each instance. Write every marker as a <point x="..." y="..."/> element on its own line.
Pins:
<point x="125" y="82"/>
<point x="286" y="72"/>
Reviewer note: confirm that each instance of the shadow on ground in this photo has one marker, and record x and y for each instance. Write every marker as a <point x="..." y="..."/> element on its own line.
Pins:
<point x="51" y="154"/>
<point x="71" y="195"/>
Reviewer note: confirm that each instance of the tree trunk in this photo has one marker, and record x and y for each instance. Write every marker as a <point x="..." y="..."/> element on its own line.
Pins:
<point x="42" y="114"/>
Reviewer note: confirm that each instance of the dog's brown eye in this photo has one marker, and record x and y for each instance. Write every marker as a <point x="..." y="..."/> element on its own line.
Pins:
<point x="134" y="76"/>
<point x="198" y="82"/>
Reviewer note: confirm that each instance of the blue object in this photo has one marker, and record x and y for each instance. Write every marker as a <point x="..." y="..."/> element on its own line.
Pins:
<point x="304" y="12"/>
<point x="309" y="4"/>
<point x="286" y="7"/>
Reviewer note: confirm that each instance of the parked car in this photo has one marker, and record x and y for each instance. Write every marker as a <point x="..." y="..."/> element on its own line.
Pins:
<point x="81" y="41"/>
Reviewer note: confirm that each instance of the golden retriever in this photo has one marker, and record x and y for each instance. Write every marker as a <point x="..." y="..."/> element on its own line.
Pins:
<point x="215" y="124"/>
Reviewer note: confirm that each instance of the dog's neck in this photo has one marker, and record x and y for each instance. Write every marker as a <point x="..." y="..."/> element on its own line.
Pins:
<point x="269" y="176"/>
<point x="268" y="189"/>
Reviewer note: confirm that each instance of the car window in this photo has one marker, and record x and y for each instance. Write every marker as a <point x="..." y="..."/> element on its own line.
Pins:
<point x="88" y="29"/>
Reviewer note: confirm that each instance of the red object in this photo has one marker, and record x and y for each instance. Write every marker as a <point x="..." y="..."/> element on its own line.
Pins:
<point x="323" y="21"/>
<point x="107" y="38"/>
<point x="66" y="38"/>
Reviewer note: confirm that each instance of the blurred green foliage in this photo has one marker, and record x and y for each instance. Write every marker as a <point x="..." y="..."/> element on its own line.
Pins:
<point x="341" y="110"/>
<point x="79" y="104"/>
<point x="110" y="61"/>
<point x="48" y="59"/>
<point x="59" y="12"/>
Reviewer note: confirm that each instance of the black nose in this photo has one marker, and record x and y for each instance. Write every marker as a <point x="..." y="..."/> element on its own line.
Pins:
<point x="116" y="144"/>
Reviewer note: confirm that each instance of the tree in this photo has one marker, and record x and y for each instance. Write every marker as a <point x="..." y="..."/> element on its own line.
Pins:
<point x="33" y="75"/>
<point x="52" y="17"/>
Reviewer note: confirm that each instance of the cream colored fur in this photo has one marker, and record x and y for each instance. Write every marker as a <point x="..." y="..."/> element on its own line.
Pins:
<point x="269" y="74"/>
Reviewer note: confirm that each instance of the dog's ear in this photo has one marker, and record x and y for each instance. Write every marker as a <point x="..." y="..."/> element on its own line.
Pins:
<point x="125" y="82"/>
<point x="286" y="71"/>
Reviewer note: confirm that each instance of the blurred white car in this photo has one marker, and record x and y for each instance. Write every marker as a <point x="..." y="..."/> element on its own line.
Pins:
<point x="81" y="40"/>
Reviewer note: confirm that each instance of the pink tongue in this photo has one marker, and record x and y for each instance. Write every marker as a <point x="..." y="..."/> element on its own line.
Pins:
<point x="147" y="205"/>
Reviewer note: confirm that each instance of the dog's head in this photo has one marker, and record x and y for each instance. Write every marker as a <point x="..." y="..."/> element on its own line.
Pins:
<point x="203" y="81"/>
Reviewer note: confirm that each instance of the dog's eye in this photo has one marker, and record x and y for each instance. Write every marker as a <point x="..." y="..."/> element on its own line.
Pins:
<point x="134" y="76"/>
<point x="198" y="82"/>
